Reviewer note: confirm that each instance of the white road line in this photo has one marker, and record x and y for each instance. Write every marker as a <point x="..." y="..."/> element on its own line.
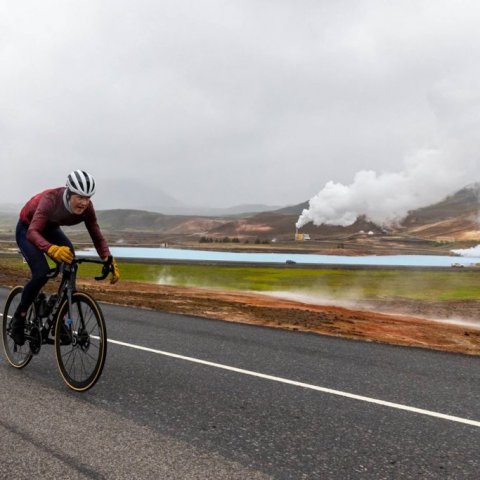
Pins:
<point x="352" y="396"/>
<point x="398" y="406"/>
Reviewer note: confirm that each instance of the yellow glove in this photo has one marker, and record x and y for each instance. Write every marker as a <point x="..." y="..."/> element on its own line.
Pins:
<point x="60" y="254"/>
<point x="115" y="276"/>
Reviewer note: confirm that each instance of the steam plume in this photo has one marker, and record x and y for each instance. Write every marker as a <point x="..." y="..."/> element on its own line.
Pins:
<point x="387" y="197"/>
<point x="473" y="252"/>
<point x="425" y="177"/>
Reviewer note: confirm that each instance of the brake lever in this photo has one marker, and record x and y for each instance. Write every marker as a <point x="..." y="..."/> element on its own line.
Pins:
<point x="106" y="269"/>
<point x="53" y="272"/>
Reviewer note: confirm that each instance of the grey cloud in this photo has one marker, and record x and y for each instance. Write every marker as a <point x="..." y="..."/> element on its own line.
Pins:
<point x="221" y="103"/>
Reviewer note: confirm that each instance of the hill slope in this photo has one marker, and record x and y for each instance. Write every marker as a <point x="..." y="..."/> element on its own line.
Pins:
<point x="454" y="218"/>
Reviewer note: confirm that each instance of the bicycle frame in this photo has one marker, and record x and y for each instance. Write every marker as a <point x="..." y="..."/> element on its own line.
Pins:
<point x="68" y="286"/>
<point x="72" y="318"/>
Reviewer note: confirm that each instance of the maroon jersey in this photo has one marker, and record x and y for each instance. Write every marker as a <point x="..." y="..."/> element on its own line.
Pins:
<point x="47" y="209"/>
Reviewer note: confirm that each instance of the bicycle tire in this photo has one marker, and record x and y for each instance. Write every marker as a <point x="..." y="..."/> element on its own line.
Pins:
<point x="81" y="362"/>
<point x="18" y="356"/>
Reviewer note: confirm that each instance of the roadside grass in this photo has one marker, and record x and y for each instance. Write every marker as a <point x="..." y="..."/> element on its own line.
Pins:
<point x="454" y="284"/>
<point x="341" y="283"/>
<point x="12" y="261"/>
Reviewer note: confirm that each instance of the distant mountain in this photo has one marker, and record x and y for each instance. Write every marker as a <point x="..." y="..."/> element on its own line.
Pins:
<point x="243" y="210"/>
<point x="455" y="217"/>
<point x="143" y="221"/>
<point x="13" y="208"/>
<point x="123" y="219"/>
<point x="293" y="210"/>
<point x="134" y="195"/>
<point x="9" y="215"/>
<point x="129" y="193"/>
<point x="465" y="201"/>
<point x="8" y="220"/>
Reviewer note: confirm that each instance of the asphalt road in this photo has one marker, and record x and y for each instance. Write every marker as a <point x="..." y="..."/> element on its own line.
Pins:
<point x="298" y="406"/>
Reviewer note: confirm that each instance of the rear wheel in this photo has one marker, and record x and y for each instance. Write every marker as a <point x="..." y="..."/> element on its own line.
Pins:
<point x="80" y="342"/>
<point x="18" y="356"/>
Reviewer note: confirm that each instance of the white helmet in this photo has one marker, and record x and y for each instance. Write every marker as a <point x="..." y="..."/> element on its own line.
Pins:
<point x="81" y="183"/>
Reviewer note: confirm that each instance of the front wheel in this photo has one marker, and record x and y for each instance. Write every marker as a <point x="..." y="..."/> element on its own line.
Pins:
<point x="80" y="342"/>
<point x="18" y="356"/>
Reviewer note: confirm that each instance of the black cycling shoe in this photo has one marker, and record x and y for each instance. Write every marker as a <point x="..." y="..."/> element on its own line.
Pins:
<point x="17" y="330"/>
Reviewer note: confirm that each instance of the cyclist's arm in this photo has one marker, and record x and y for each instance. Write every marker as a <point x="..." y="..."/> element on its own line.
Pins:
<point x="39" y="222"/>
<point x="96" y="235"/>
<point x="100" y="243"/>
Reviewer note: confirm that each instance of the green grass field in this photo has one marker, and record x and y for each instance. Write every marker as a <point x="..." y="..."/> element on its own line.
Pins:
<point x="358" y="283"/>
<point x="454" y="284"/>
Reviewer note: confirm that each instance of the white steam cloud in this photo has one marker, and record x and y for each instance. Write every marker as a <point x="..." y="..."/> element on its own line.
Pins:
<point x="383" y="198"/>
<point x="425" y="177"/>
<point x="473" y="252"/>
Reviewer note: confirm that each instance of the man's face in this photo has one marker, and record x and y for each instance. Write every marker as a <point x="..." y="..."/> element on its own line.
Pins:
<point x="78" y="203"/>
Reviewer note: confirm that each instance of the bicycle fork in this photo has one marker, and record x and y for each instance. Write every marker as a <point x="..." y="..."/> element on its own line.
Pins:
<point x="68" y="322"/>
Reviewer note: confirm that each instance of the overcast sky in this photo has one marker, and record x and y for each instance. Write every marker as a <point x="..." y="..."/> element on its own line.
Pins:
<point x="220" y="103"/>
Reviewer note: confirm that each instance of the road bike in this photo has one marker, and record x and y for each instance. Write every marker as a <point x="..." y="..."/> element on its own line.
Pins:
<point x="70" y="320"/>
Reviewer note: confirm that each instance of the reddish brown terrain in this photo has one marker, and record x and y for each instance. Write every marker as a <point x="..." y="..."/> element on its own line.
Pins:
<point x="418" y="324"/>
<point x="451" y="223"/>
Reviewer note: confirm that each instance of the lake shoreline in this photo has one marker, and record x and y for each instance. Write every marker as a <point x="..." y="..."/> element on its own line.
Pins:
<point x="272" y="258"/>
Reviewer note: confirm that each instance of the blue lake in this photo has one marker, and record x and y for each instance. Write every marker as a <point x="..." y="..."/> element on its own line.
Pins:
<point x="219" y="256"/>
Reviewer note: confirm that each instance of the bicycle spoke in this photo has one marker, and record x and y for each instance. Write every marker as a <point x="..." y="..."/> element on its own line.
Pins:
<point x="82" y="364"/>
<point x="68" y="356"/>
<point x="82" y="361"/>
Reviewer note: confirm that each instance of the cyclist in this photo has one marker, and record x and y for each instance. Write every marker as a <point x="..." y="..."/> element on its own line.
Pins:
<point x="38" y="233"/>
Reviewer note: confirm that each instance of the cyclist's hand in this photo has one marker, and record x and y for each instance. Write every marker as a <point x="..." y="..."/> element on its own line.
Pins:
<point x="60" y="254"/>
<point x="115" y="276"/>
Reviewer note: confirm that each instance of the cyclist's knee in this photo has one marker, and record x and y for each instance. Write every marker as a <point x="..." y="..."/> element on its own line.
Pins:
<point x="39" y="275"/>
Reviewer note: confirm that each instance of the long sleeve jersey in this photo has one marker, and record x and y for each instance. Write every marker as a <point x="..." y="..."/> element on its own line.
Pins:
<point x="47" y="209"/>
